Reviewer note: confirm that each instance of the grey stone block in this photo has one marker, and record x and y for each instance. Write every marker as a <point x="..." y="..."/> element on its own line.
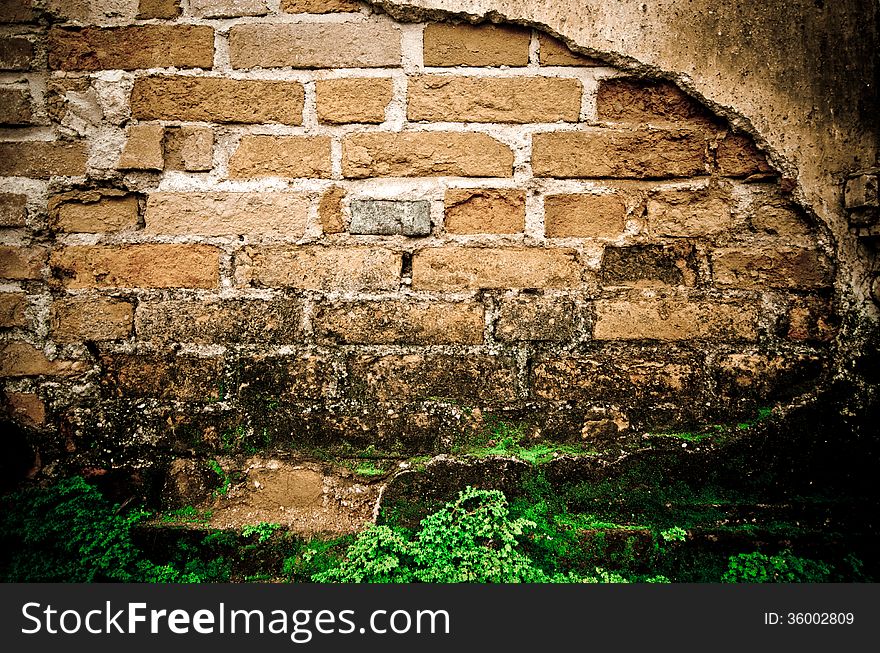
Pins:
<point x="390" y="217"/>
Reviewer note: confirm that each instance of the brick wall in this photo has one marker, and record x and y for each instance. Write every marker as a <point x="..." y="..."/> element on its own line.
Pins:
<point x="336" y="231"/>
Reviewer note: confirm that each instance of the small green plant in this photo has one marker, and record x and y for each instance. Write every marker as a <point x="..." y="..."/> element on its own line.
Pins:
<point x="187" y="514"/>
<point x="674" y="534"/>
<point x="782" y="568"/>
<point x="262" y="530"/>
<point x="225" y="480"/>
<point x="369" y="469"/>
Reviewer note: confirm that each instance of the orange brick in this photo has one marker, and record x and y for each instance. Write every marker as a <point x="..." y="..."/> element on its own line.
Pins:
<point x="137" y="266"/>
<point x="584" y="216"/>
<point x="330" y="211"/>
<point x="42" y="159"/>
<point x="182" y="378"/>
<point x="362" y="100"/>
<point x="476" y="45"/>
<point x="737" y="156"/>
<point x="132" y="47"/>
<point x="93" y="211"/>
<point x="697" y="212"/>
<point x="484" y="211"/>
<point x="143" y="148"/>
<point x="472" y="268"/>
<point x="21" y="263"/>
<point x="553" y="52"/>
<point x="215" y="99"/>
<point x="26" y="408"/>
<point x="641" y="101"/>
<point x="75" y="319"/>
<point x="319" y="6"/>
<point x="281" y="156"/>
<point x="438" y="98"/>
<point x="425" y="154"/>
<point x="785" y="267"/>
<point x="158" y="9"/>
<point x="12" y="310"/>
<point x="22" y="359"/>
<point x="325" y="268"/>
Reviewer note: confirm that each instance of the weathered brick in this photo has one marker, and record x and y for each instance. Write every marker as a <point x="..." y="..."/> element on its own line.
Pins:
<point x="319" y="6"/>
<point x="158" y="9"/>
<point x="416" y="376"/>
<point x="484" y="211"/>
<point x="26" y="408"/>
<point x="217" y="213"/>
<point x="315" y="45"/>
<point x="182" y="378"/>
<point x="649" y="265"/>
<point x="13" y="210"/>
<point x="642" y="101"/>
<point x="778" y="215"/>
<point x="390" y="217"/>
<point x="215" y="99"/>
<point x="21" y="263"/>
<point x="227" y="8"/>
<point x="288" y="378"/>
<point x="584" y="216"/>
<point x="640" y="154"/>
<point x="390" y="322"/>
<point x="671" y="318"/>
<point x="361" y="100"/>
<point x="16" y="53"/>
<point x="737" y="156"/>
<point x="439" y="98"/>
<point x="42" y="159"/>
<point x="812" y="319"/>
<point x="425" y="154"/>
<point x="538" y="317"/>
<point x="785" y="267"/>
<point x="765" y="377"/>
<point x="472" y="268"/>
<point x="330" y="211"/>
<point x="553" y="52"/>
<point x="281" y="156"/>
<point x="224" y="321"/>
<point x="476" y="45"/>
<point x="22" y="359"/>
<point x="143" y="148"/>
<point x="189" y="148"/>
<point x="137" y="266"/>
<point x="16" y="11"/>
<point x="75" y="319"/>
<point x="15" y="106"/>
<point x="684" y="212"/>
<point x="12" y="310"/>
<point x="131" y="47"/>
<point x="326" y="268"/>
<point x="93" y="211"/>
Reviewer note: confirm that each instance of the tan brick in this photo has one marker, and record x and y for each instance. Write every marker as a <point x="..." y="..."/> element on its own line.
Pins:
<point x="319" y="6"/>
<point x="685" y="212"/>
<point x="600" y="153"/>
<point x="484" y="211"/>
<point x="15" y="106"/>
<point x="21" y="359"/>
<point x="182" y="378"/>
<point x="137" y="266"/>
<point x="158" y="9"/>
<point x="553" y="52"/>
<point x="439" y="98"/>
<point x="330" y="211"/>
<point x="353" y="100"/>
<point x="131" y="48"/>
<point x="472" y="268"/>
<point x="12" y="310"/>
<point x="75" y="319"/>
<point x="189" y="148"/>
<point x="476" y="45"/>
<point x="220" y="321"/>
<point x="281" y="156"/>
<point x="651" y="265"/>
<point x="642" y="101"/>
<point x="737" y="156"/>
<point x="143" y="148"/>
<point x="370" y="44"/>
<point x="93" y="211"/>
<point x="670" y="318"/>
<point x="16" y="53"/>
<point x="214" y="99"/>
<point x="425" y="154"/>
<point x="777" y="215"/>
<point x="26" y="408"/>
<point x="42" y="159"/>
<point x="785" y="267"/>
<point x="584" y="216"/>
<point x="219" y="213"/>
<point x="227" y="8"/>
<point x="13" y="210"/>
<point x="21" y="263"/>
<point x="812" y="319"/>
<point x="538" y="318"/>
<point x="326" y="268"/>
<point x="388" y="322"/>
<point x="16" y="11"/>
<point x="766" y="377"/>
<point x="416" y="376"/>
